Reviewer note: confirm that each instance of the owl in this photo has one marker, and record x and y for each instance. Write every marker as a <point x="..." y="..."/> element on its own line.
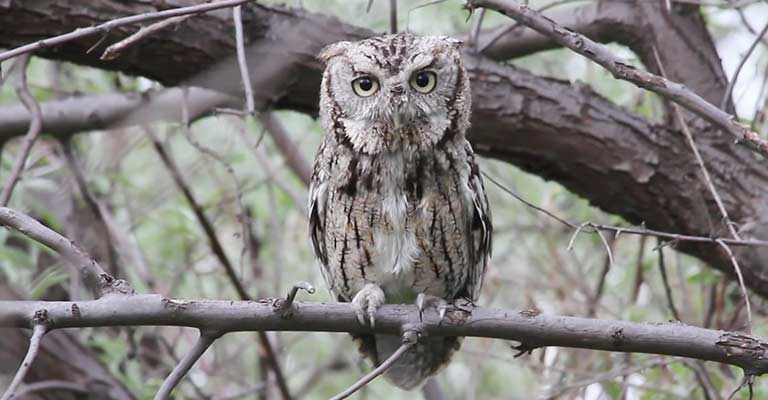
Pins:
<point x="398" y="212"/>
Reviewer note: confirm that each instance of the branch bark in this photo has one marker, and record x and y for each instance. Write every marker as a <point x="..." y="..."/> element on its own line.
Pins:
<point x="534" y="330"/>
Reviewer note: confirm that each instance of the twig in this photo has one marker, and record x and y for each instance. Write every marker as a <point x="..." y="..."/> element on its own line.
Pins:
<point x="643" y="231"/>
<point x="410" y="338"/>
<point x="241" y="60"/>
<point x="75" y="388"/>
<point x="94" y="276"/>
<point x="732" y="81"/>
<point x="111" y="52"/>
<point x="284" y="305"/>
<point x="34" y="345"/>
<point x="623" y="70"/>
<point x="109" y="25"/>
<point x="35" y="125"/>
<point x="692" y="144"/>
<point x="393" y="16"/>
<point x="282" y="140"/>
<point x="205" y="341"/>
<point x="665" y="281"/>
<point x="742" y="286"/>
<point x="746" y="381"/>
<point x="218" y="251"/>
<point x="474" y="34"/>
<point x="92" y="203"/>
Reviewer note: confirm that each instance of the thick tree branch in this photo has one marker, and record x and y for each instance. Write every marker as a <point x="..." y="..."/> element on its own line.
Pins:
<point x="538" y="330"/>
<point x="621" y="69"/>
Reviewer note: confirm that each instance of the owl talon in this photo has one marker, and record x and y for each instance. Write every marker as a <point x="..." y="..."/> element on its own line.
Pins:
<point x="367" y="301"/>
<point x="425" y="300"/>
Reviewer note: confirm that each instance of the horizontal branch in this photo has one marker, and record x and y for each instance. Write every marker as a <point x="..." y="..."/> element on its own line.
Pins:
<point x="532" y="329"/>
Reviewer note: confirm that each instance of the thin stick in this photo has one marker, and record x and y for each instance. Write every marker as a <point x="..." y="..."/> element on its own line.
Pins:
<point x="393" y="16"/>
<point x="35" y="125"/>
<point x="742" y="286"/>
<point x="732" y="81"/>
<point x="109" y="25"/>
<point x="218" y="251"/>
<point x="241" y="60"/>
<point x="34" y="345"/>
<point x="383" y="367"/>
<point x="205" y="341"/>
<point x="665" y="281"/>
<point x="643" y="231"/>
<point x="474" y="34"/>
<point x="621" y="69"/>
<point x="92" y="203"/>
<point x="111" y="52"/>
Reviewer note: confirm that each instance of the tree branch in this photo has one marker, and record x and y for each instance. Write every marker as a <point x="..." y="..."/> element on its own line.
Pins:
<point x="539" y="330"/>
<point x="205" y="341"/>
<point x="94" y="276"/>
<point x="623" y="70"/>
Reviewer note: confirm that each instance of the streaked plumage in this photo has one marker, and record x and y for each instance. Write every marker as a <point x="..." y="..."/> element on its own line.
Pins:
<point x="397" y="205"/>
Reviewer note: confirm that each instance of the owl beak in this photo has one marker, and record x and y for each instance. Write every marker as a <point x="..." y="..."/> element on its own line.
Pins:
<point x="399" y="117"/>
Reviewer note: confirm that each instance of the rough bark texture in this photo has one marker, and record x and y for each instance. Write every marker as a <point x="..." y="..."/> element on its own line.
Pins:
<point x="618" y="160"/>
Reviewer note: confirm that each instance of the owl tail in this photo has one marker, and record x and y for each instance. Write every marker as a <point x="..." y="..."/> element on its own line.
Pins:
<point x="413" y="368"/>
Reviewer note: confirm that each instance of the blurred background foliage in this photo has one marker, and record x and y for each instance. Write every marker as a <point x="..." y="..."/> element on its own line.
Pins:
<point x="163" y="249"/>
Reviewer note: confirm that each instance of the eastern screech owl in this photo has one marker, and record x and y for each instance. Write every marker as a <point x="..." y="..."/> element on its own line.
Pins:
<point x="398" y="212"/>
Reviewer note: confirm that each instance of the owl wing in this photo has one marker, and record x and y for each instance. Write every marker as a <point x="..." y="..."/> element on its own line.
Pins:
<point x="480" y="227"/>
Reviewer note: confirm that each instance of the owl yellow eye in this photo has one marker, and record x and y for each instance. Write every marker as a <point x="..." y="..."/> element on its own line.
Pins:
<point x="365" y="86"/>
<point x="424" y="81"/>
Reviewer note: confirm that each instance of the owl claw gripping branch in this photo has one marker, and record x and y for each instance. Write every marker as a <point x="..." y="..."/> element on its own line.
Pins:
<point x="398" y="212"/>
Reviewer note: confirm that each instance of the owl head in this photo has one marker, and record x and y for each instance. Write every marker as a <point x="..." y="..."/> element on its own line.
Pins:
<point x="390" y="92"/>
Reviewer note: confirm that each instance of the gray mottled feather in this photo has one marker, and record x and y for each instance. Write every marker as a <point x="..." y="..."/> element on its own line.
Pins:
<point x="396" y="197"/>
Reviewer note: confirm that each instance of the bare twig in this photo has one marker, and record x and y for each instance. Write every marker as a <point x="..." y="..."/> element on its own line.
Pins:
<point x="665" y="281"/>
<point x="92" y="203"/>
<point x="282" y="140"/>
<point x="393" y="16"/>
<point x="109" y="25"/>
<point x="34" y="345"/>
<point x="474" y="34"/>
<point x="241" y="60"/>
<point x="35" y="125"/>
<point x="284" y="305"/>
<point x="746" y="381"/>
<point x="113" y="51"/>
<point x="205" y="341"/>
<point x="643" y="231"/>
<point x="94" y="276"/>
<point x="740" y="277"/>
<point x="218" y="251"/>
<point x="410" y="338"/>
<point x="623" y="70"/>
<point x="732" y="81"/>
<point x="76" y="388"/>
<point x="699" y="160"/>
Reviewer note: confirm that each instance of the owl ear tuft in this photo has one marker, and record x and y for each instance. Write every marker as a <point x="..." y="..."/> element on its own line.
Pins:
<point x="332" y="50"/>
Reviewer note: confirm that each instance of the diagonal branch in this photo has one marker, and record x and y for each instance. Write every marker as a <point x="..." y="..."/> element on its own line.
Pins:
<point x="94" y="276"/>
<point x="38" y="332"/>
<point x="205" y="341"/>
<point x="623" y="70"/>
<point x="35" y="125"/>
